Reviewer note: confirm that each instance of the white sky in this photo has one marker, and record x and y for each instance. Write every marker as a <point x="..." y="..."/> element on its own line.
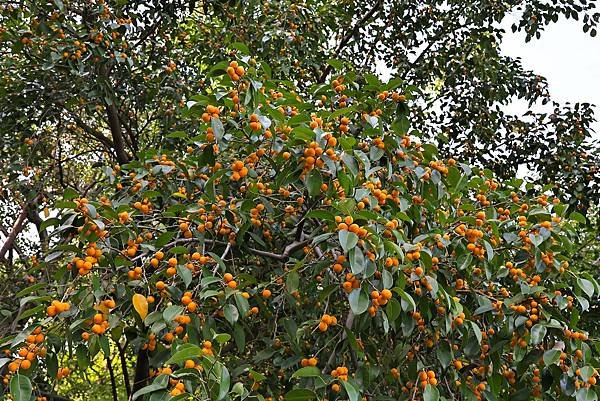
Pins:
<point x="567" y="57"/>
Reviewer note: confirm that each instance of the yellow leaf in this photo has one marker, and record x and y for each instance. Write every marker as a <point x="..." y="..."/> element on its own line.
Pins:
<point x="102" y="309"/>
<point x="140" y="303"/>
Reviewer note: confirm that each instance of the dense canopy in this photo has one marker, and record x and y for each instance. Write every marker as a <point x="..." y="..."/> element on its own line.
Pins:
<point x="223" y="200"/>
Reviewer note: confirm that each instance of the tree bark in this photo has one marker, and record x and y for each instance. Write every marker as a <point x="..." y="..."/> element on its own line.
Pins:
<point x="142" y="368"/>
<point x="113" y="382"/>
<point x="124" y="369"/>
<point x="16" y="229"/>
<point x="117" y="134"/>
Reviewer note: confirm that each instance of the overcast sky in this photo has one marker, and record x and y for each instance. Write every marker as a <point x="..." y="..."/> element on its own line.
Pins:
<point x="567" y="57"/>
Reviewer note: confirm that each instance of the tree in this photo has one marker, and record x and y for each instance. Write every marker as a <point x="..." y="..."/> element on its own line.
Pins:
<point x="306" y="248"/>
<point x="108" y="79"/>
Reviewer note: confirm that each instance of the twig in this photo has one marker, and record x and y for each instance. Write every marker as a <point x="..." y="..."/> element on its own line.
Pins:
<point x="349" y="36"/>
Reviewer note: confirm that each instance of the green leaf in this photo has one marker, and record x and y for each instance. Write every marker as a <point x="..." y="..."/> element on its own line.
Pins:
<point x="313" y="182"/>
<point x="586" y="372"/>
<point x="257" y="377"/>
<point x="578" y="217"/>
<point x="586" y="394"/>
<point x="164" y="238"/>
<point x="307" y="371"/>
<point x="217" y="127"/>
<point x="538" y="332"/>
<point x="292" y="281"/>
<point x="239" y="335"/>
<point x="431" y="393"/>
<point x="171" y="312"/>
<point x="241" y="47"/>
<point x="231" y="313"/>
<point x="586" y="286"/>
<point x="20" y="388"/>
<point x="242" y="303"/>
<point x="393" y="309"/>
<point x="406" y="300"/>
<point x="444" y="353"/>
<point x="347" y="142"/>
<point x="83" y="361"/>
<point x="224" y="383"/>
<point x="348" y="240"/>
<point x="551" y="356"/>
<point x="337" y="64"/>
<point x="185" y="274"/>
<point x="222" y="338"/>
<point x="321" y="214"/>
<point x="300" y="394"/>
<point x="162" y="395"/>
<point x="358" y="262"/>
<point x="359" y="301"/>
<point x="30" y="289"/>
<point x="353" y="393"/>
<point x="184" y="352"/>
<point x="158" y="384"/>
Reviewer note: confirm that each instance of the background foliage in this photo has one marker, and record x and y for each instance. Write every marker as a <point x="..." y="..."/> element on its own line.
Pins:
<point x="87" y="85"/>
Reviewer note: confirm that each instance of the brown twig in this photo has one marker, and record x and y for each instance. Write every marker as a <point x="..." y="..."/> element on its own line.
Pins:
<point x="346" y="39"/>
<point x="16" y="229"/>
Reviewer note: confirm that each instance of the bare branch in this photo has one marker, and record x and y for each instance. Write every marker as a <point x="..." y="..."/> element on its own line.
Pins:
<point x="16" y="229"/>
<point x="346" y="39"/>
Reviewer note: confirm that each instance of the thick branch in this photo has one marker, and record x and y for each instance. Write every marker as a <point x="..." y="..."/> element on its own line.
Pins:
<point x="107" y="142"/>
<point x="142" y="368"/>
<point x="16" y="229"/>
<point x="5" y="232"/>
<point x="117" y="134"/>
<point x="124" y="369"/>
<point x="113" y="382"/>
<point x="287" y="251"/>
<point x="114" y="122"/>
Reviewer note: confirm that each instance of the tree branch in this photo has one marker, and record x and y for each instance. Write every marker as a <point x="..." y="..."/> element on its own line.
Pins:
<point x="124" y="369"/>
<point x="90" y="131"/>
<point x="53" y="397"/>
<point x="16" y="229"/>
<point x="287" y="251"/>
<point x="346" y="39"/>
<point x="141" y="371"/>
<point x="113" y="383"/>
<point x="117" y="134"/>
<point x="5" y="232"/>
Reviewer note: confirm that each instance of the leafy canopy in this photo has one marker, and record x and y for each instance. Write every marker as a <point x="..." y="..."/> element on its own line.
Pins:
<point x="309" y="247"/>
